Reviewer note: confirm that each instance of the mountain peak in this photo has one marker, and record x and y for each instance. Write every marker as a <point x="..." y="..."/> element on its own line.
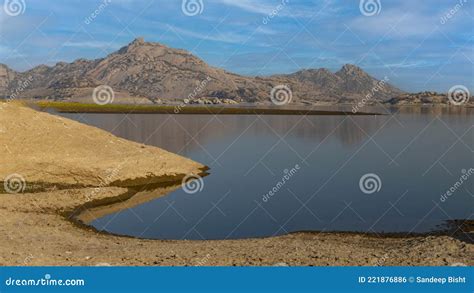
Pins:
<point x="351" y="68"/>
<point x="137" y="44"/>
<point x="138" y="41"/>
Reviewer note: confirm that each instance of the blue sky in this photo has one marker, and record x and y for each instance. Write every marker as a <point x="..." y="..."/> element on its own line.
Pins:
<point x="406" y="41"/>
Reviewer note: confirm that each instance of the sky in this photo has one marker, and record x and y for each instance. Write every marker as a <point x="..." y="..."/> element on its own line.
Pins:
<point x="417" y="45"/>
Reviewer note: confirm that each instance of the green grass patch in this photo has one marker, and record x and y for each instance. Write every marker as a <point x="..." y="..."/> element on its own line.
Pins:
<point x="68" y="107"/>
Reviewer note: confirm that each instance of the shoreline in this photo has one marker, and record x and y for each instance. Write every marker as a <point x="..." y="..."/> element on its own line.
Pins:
<point x="39" y="226"/>
<point x="293" y="110"/>
<point x="84" y="214"/>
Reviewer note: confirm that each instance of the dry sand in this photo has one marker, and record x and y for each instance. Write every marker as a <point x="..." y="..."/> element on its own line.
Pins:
<point x="47" y="150"/>
<point x="37" y="228"/>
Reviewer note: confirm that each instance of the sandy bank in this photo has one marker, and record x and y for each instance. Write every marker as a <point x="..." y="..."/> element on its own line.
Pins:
<point x="48" y="151"/>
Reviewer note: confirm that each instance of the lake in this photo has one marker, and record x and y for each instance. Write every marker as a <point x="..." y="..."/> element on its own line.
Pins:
<point x="272" y="175"/>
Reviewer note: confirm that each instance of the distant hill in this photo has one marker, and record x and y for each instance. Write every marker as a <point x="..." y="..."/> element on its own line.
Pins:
<point x="151" y="72"/>
<point x="419" y="99"/>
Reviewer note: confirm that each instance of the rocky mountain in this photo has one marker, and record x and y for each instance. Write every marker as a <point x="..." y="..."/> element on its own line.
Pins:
<point x="151" y="72"/>
<point x="419" y="99"/>
<point x="6" y="77"/>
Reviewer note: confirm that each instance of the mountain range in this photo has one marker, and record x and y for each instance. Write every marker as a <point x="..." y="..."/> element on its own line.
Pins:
<point x="152" y="72"/>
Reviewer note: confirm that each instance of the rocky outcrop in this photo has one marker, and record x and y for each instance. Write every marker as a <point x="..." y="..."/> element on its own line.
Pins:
<point x="6" y="77"/>
<point x="210" y="101"/>
<point x="422" y="98"/>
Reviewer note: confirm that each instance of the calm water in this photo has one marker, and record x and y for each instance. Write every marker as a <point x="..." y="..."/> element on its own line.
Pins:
<point x="418" y="156"/>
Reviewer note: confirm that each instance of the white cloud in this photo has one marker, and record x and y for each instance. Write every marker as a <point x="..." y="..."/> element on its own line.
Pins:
<point x="278" y="7"/>
<point x="397" y="22"/>
<point x="258" y="7"/>
<point x="266" y="31"/>
<point x="227" y="37"/>
<point x="90" y="44"/>
<point x="412" y="64"/>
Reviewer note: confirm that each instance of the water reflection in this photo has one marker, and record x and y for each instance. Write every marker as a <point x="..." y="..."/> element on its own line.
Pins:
<point x="418" y="153"/>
